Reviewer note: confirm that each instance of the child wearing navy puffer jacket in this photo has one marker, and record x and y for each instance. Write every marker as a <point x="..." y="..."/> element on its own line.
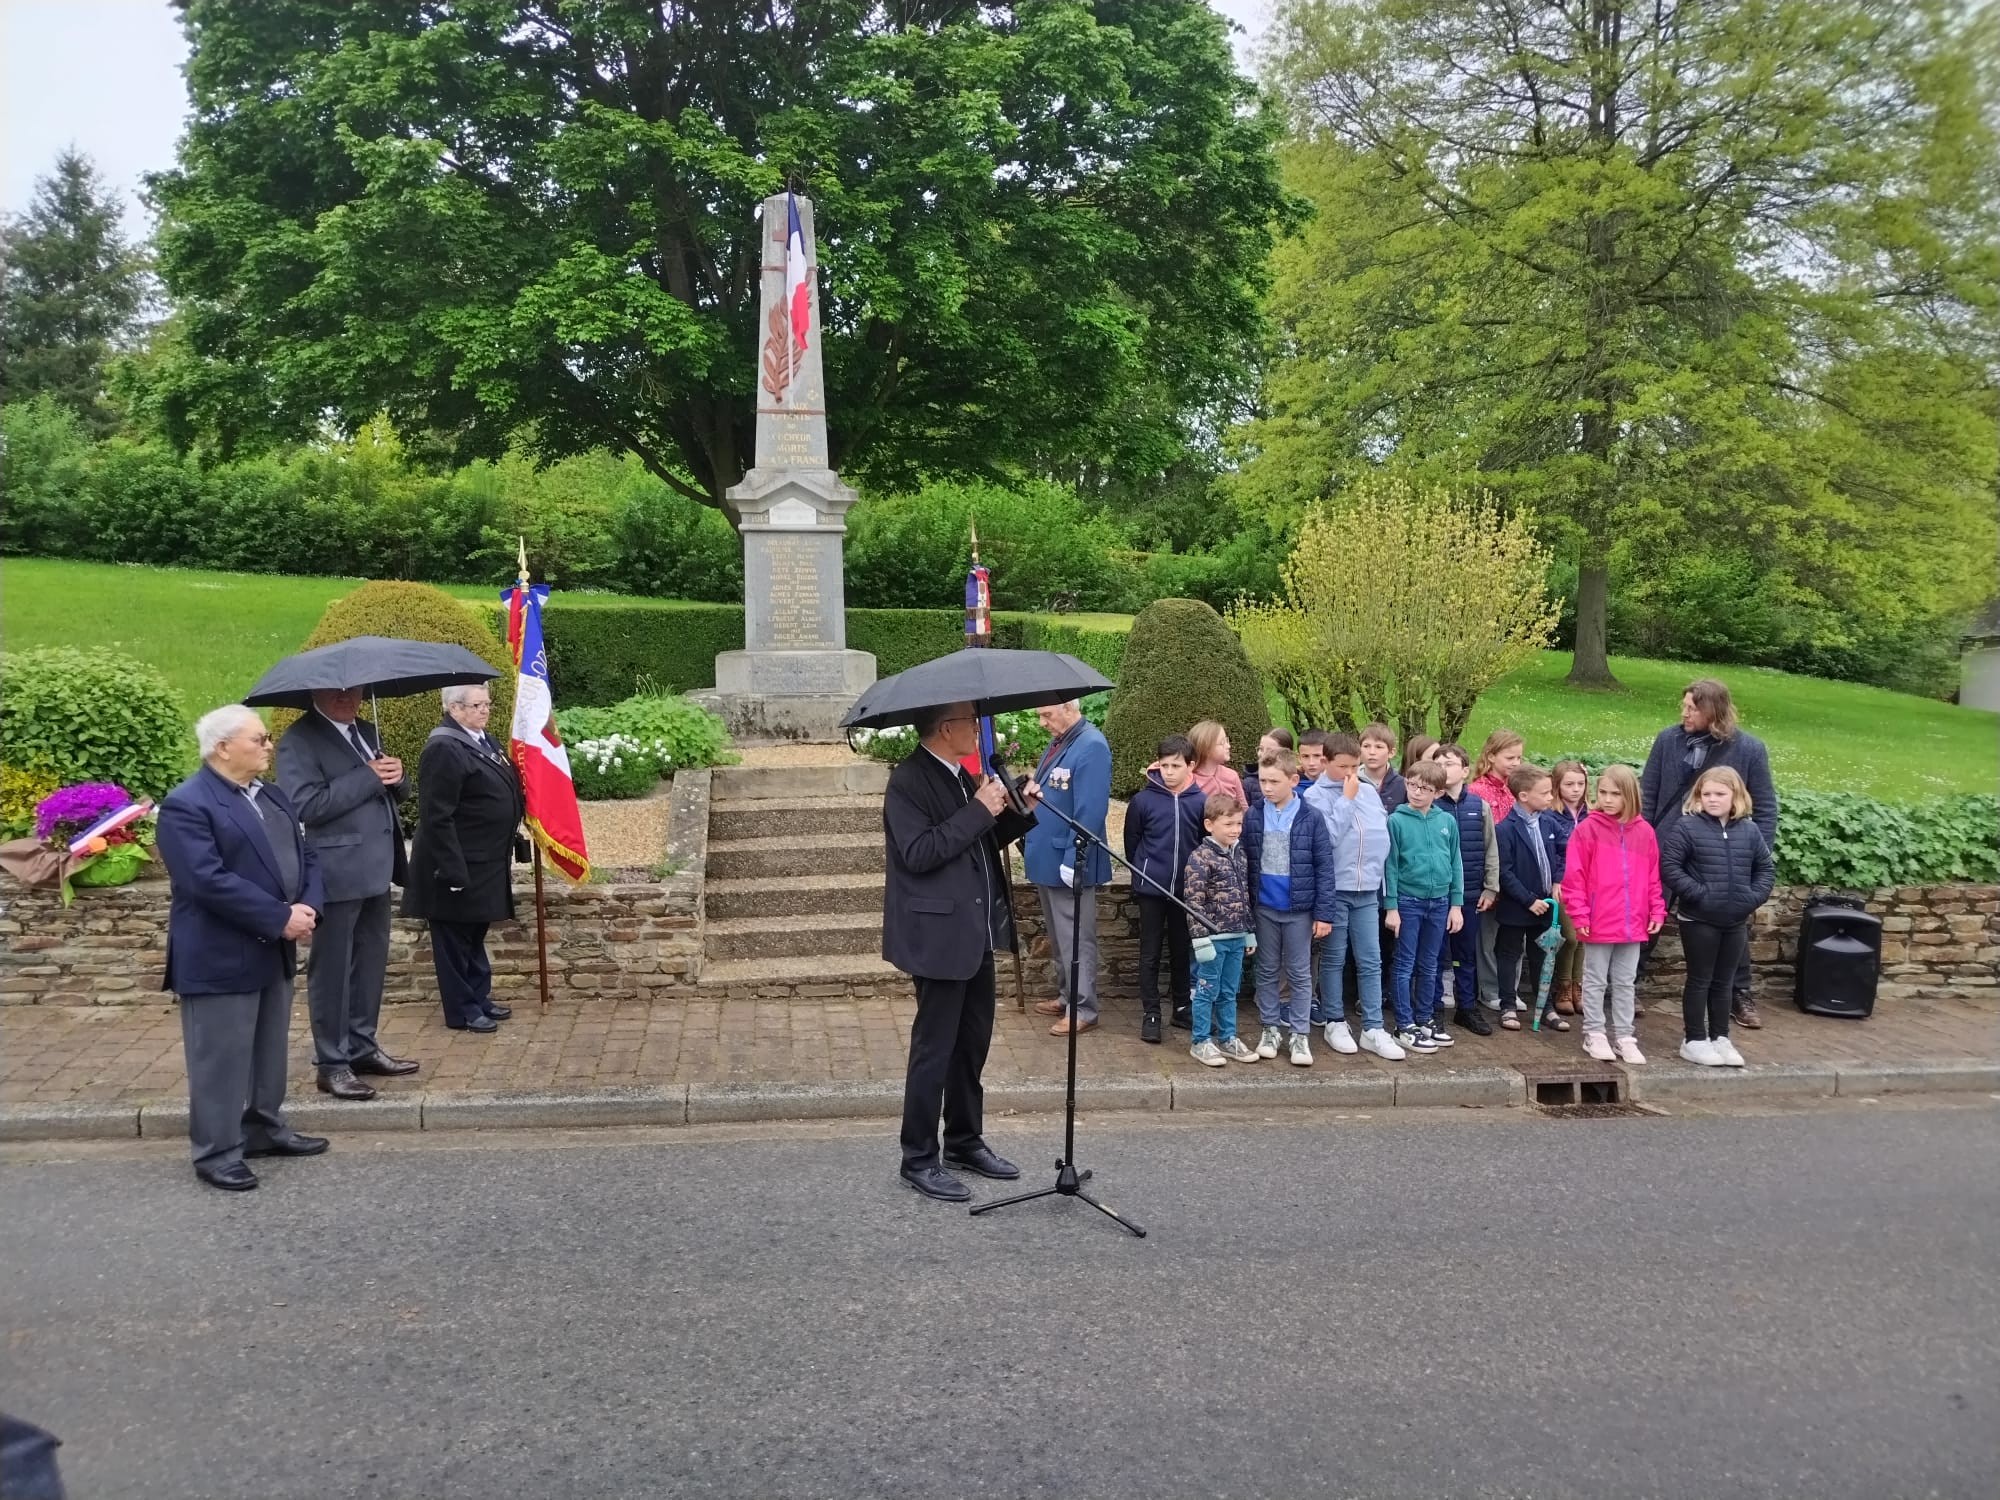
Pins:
<point x="1163" y="826"/>
<point x="1718" y="870"/>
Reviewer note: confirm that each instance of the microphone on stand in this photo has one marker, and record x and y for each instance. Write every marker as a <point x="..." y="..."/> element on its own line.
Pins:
<point x="1015" y="800"/>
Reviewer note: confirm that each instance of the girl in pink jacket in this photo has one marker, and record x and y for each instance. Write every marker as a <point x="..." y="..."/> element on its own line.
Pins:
<point x="1611" y="892"/>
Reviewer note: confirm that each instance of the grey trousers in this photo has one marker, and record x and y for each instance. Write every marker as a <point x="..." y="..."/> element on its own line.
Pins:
<point x="1059" y="908"/>
<point x="1489" y="961"/>
<point x="1615" y="964"/>
<point x="344" y="967"/>
<point x="235" y="1047"/>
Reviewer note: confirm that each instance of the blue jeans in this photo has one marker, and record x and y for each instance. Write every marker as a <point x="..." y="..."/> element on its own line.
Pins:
<point x="1215" y="985"/>
<point x="1460" y="955"/>
<point x="1357" y="926"/>
<point x="1284" y="944"/>
<point x="1417" y="947"/>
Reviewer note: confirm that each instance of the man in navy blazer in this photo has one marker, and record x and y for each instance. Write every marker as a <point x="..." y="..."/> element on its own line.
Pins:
<point x="246" y="888"/>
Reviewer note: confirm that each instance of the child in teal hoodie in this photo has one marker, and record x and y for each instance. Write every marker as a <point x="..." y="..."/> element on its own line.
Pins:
<point x="1423" y="886"/>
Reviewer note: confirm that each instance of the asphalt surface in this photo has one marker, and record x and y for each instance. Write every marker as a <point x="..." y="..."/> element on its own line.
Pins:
<point x="1803" y="1304"/>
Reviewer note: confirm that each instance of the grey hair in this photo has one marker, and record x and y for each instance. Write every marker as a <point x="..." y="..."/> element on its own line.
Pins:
<point x="220" y="725"/>
<point x="455" y="695"/>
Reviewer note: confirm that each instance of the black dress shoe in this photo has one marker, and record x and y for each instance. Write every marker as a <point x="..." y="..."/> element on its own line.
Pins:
<point x="339" y="1081"/>
<point x="1469" y="1019"/>
<point x="382" y="1065"/>
<point x="477" y="1023"/>
<point x="985" y="1161"/>
<point x="234" y="1178"/>
<point x="291" y="1145"/>
<point x="1149" y="1026"/>
<point x="936" y="1182"/>
<point x="499" y="1012"/>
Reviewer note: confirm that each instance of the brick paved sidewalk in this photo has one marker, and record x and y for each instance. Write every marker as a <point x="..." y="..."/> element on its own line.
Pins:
<point x="132" y="1054"/>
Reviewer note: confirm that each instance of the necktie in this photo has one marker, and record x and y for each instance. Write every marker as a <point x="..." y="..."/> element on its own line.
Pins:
<point x="354" y="737"/>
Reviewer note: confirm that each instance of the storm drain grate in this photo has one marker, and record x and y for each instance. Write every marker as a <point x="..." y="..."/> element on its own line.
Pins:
<point x="1596" y="1112"/>
<point x="1577" y="1086"/>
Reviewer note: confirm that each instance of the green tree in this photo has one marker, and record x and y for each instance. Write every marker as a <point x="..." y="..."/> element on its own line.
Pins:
<point x="1043" y="226"/>
<point x="71" y="290"/>
<point x="1693" y="270"/>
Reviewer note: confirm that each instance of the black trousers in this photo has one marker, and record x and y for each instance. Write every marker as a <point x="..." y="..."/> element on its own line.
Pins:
<point x="1741" y="980"/>
<point x="1161" y="919"/>
<point x="465" y="978"/>
<point x="1713" y="955"/>
<point x="1520" y="959"/>
<point x="948" y="1044"/>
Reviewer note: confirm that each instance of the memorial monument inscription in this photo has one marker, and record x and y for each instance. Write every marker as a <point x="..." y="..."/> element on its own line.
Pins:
<point x="794" y="677"/>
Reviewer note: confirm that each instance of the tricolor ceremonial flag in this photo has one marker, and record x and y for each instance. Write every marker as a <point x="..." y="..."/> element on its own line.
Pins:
<point x="536" y="748"/>
<point x="798" y="284"/>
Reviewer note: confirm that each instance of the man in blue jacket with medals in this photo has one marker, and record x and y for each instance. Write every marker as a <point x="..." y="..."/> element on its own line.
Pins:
<point x="1075" y="778"/>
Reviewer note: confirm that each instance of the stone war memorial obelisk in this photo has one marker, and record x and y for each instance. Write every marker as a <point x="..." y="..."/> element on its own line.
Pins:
<point x="794" y="677"/>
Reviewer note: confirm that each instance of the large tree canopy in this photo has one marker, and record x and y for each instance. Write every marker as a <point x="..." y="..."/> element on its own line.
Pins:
<point x="1682" y="270"/>
<point x="1043" y="226"/>
<point x="70" y="292"/>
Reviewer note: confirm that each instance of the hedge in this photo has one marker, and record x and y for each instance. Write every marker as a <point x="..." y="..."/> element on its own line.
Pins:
<point x="600" y="652"/>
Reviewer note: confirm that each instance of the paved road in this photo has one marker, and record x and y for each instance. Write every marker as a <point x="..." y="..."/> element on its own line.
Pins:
<point x="1795" y="1305"/>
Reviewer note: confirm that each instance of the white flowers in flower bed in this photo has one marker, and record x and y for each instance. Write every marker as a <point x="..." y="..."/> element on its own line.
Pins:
<point x="618" y="764"/>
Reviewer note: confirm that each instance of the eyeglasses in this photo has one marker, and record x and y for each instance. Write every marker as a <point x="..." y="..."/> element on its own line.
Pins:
<point x="256" y="739"/>
<point x="477" y="707"/>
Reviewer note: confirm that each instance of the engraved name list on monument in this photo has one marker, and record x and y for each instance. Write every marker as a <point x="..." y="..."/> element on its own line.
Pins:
<point x="794" y="609"/>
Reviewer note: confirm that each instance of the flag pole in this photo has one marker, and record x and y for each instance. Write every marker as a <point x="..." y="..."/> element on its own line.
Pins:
<point x="980" y="637"/>
<point x="541" y="900"/>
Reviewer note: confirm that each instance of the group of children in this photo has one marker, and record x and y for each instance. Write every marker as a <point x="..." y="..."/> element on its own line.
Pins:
<point x="1328" y="865"/>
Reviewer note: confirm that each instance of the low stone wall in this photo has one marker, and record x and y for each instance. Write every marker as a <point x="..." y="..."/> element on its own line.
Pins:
<point x="1936" y="940"/>
<point x="619" y="942"/>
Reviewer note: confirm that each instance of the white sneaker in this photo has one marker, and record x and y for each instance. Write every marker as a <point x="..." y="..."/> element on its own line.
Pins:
<point x="1597" y="1045"/>
<point x="1628" y="1050"/>
<point x="1339" y="1037"/>
<point x="1379" y="1042"/>
<point x="1702" y="1052"/>
<point x="1302" y="1052"/>
<point x="1267" y="1043"/>
<point x="1726" y="1051"/>
<point x="1236" y="1051"/>
<point x="1208" y="1055"/>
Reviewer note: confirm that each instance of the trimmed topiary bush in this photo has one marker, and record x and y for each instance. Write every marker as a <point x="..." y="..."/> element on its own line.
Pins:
<point x="92" y="715"/>
<point x="413" y="612"/>
<point x="1181" y="664"/>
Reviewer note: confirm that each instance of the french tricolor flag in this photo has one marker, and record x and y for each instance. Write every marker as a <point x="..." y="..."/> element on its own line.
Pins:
<point x="798" y="288"/>
<point x="536" y="748"/>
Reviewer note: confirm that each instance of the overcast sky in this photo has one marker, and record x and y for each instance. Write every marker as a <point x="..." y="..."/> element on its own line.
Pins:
<point x="105" y="75"/>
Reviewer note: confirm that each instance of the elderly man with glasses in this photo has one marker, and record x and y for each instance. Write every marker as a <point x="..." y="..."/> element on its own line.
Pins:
<point x="469" y="810"/>
<point x="246" y="888"/>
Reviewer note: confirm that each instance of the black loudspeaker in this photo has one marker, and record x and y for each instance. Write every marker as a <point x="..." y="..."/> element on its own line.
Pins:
<point x="1840" y="958"/>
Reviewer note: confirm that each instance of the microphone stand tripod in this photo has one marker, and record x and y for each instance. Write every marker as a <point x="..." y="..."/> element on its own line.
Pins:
<point x="1069" y="1181"/>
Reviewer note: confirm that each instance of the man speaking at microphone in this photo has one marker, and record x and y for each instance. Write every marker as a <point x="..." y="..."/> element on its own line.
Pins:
<point x="944" y="913"/>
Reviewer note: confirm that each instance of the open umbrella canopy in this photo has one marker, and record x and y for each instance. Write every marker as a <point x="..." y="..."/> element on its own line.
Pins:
<point x="993" y="679"/>
<point x="386" y="667"/>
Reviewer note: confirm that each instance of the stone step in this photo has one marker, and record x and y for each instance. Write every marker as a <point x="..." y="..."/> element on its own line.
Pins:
<point x="800" y="856"/>
<point x="757" y="817"/>
<point x="819" y="935"/>
<point x="858" y="778"/>
<point x="793" y="896"/>
<point x="852" y="976"/>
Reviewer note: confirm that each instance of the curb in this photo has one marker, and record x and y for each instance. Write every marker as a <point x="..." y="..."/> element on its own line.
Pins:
<point x="750" y="1102"/>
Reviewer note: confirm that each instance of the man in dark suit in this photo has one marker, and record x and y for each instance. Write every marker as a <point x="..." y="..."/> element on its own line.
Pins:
<point x="246" y="888"/>
<point x="944" y="912"/>
<point x="332" y="767"/>
<point x="461" y="864"/>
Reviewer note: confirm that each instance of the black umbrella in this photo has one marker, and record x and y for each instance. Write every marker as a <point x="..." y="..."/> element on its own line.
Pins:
<point x="384" y="666"/>
<point x="993" y="679"/>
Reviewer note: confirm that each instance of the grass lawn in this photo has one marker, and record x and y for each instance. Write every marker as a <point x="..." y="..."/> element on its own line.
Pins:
<point x="1829" y="736"/>
<point x="213" y="634"/>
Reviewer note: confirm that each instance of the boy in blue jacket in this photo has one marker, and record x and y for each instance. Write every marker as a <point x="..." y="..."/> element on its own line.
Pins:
<point x="1163" y="826"/>
<point x="1531" y="849"/>
<point x="1292" y="884"/>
